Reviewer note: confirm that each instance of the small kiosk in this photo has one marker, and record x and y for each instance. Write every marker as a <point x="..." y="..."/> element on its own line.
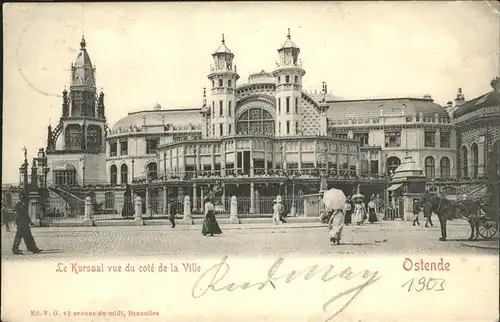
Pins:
<point x="407" y="184"/>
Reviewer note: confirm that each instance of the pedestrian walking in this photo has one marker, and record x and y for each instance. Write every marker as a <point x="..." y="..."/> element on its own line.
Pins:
<point x="210" y="225"/>
<point x="284" y="213"/>
<point x="416" y="211"/>
<point x="359" y="212"/>
<point x="348" y="210"/>
<point x="5" y="218"/>
<point x="128" y="206"/>
<point x="428" y="214"/>
<point x="335" y="226"/>
<point x="23" y="228"/>
<point x="372" y="210"/>
<point x="277" y="209"/>
<point x="172" y="211"/>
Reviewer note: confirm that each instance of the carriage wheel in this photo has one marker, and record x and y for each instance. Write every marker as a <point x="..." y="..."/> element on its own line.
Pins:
<point x="488" y="228"/>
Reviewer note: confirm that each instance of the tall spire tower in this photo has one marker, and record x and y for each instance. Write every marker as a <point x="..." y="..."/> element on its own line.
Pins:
<point x="288" y="75"/>
<point x="79" y="138"/>
<point x="223" y="76"/>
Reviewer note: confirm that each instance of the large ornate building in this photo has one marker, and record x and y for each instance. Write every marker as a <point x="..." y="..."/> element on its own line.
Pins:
<point x="478" y="132"/>
<point x="264" y="137"/>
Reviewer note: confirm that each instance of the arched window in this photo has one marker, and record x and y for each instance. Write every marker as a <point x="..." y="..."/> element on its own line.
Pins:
<point x="109" y="200"/>
<point x="124" y="174"/>
<point x="430" y="168"/>
<point x="444" y="164"/>
<point x="73" y="137"/>
<point x="465" y="162"/>
<point x="392" y="164"/>
<point x="152" y="170"/>
<point x="494" y="168"/>
<point x="255" y="121"/>
<point x="94" y="135"/>
<point x="113" y="171"/>
<point x="475" y="160"/>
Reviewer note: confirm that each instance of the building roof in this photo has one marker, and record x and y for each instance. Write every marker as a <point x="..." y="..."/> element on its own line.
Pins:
<point x="82" y="69"/>
<point x="159" y="117"/>
<point x="370" y="108"/>
<point x="489" y="99"/>
<point x="288" y="42"/>
<point x="222" y="48"/>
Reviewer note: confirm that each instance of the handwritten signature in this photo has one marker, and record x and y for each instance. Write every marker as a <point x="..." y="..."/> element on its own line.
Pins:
<point x="211" y="279"/>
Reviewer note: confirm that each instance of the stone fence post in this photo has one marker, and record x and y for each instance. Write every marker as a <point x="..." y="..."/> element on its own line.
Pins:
<point x="138" y="212"/>
<point x="34" y="208"/>
<point x="88" y="212"/>
<point x="233" y="217"/>
<point x="187" y="219"/>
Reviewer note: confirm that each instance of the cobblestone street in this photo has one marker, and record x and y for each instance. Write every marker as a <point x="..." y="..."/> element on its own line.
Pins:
<point x="393" y="237"/>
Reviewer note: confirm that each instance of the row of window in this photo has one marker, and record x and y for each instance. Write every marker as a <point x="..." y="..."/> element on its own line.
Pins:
<point x="287" y="105"/>
<point x="152" y="172"/>
<point x="393" y="139"/>
<point x="151" y="147"/>
<point x="221" y="83"/>
<point x="297" y="131"/>
<point x="221" y="108"/>
<point x="287" y="79"/>
<point x="393" y="163"/>
<point x="464" y="157"/>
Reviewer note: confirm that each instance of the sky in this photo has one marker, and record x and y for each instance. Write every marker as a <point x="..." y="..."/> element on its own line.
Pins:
<point x="148" y="53"/>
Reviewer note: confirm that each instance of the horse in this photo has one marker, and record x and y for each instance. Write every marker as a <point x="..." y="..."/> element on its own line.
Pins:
<point x="469" y="208"/>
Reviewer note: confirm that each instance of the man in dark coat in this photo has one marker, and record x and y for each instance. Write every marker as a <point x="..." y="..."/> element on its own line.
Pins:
<point x="23" y="228"/>
<point x="416" y="211"/>
<point x="173" y="210"/>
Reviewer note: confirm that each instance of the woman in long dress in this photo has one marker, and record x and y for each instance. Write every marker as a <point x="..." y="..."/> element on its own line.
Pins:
<point x="210" y="225"/>
<point x="372" y="211"/>
<point x="335" y="225"/>
<point x="277" y="209"/>
<point x="128" y="206"/>
<point x="359" y="212"/>
<point x="348" y="211"/>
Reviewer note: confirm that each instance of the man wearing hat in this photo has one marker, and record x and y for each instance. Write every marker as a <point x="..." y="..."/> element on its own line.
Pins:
<point x="23" y="227"/>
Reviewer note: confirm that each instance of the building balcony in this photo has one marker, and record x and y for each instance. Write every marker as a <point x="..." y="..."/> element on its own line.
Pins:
<point x="239" y="175"/>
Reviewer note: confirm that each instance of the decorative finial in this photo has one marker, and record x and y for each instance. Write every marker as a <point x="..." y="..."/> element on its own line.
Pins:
<point x="223" y="41"/>
<point x="288" y="36"/>
<point x="83" y="44"/>
<point x="25" y="154"/>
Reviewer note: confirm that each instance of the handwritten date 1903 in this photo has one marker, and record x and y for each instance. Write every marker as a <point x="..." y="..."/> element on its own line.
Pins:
<point x="427" y="284"/>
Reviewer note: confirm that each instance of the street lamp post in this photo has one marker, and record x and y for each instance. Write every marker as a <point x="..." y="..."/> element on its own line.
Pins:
<point x="133" y="162"/>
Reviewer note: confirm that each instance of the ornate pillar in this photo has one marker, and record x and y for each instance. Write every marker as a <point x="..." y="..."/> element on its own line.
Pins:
<point x="148" y="208"/>
<point x="224" y="195"/>
<point x="252" y="198"/>
<point x="195" y="197"/>
<point x="300" y="156"/>
<point x="165" y="202"/>
<point x="481" y="152"/>
<point x="251" y="159"/>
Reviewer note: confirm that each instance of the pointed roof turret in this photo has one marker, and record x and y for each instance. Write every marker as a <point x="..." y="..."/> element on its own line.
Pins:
<point x="82" y="71"/>
<point x="288" y="42"/>
<point x="222" y="48"/>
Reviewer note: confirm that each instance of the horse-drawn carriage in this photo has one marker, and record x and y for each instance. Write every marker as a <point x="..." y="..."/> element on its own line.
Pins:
<point x="479" y="205"/>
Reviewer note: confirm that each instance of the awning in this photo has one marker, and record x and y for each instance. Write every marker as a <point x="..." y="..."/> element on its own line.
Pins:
<point x="64" y="167"/>
<point x="394" y="187"/>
